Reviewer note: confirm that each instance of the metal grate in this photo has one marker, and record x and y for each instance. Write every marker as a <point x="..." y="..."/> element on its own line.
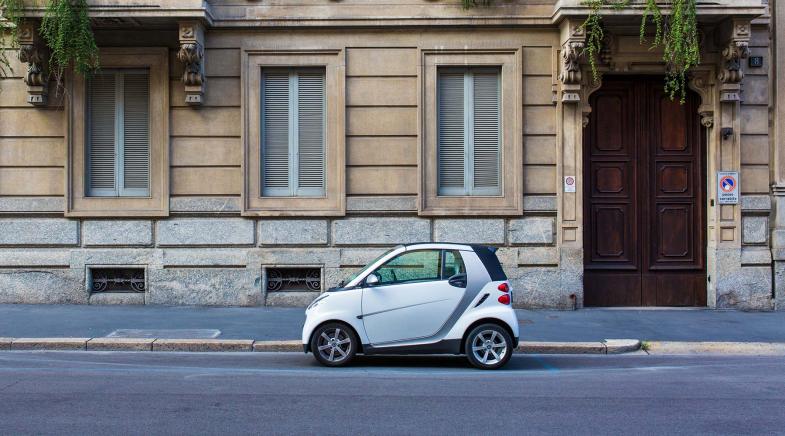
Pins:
<point x="294" y="279"/>
<point x="117" y="280"/>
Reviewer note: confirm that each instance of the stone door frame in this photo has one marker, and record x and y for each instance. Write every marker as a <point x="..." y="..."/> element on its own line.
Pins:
<point x="717" y="81"/>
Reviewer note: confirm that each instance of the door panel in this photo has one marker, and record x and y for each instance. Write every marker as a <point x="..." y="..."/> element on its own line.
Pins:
<point x="408" y="311"/>
<point x="644" y="198"/>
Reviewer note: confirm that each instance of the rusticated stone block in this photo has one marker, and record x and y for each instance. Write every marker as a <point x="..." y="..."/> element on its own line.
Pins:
<point x="538" y="256"/>
<point x="293" y="232"/>
<point x="290" y="299"/>
<point x="38" y="231"/>
<point x="43" y="286"/>
<point x="532" y="230"/>
<point x="205" y="231"/>
<point x="204" y="286"/>
<point x="469" y="231"/>
<point x="123" y="233"/>
<point x="380" y="231"/>
<point x="755" y="230"/>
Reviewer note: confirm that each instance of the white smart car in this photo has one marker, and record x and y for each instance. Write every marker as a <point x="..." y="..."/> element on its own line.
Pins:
<point x="429" y="298"/>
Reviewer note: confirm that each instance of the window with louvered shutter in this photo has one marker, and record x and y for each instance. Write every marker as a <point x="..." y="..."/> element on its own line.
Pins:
<point x="293" y="126"/>
<point x="118" y="148"/>
<point x="469" y="132"/>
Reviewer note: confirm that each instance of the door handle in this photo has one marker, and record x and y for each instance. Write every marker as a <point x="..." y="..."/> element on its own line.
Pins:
<point x="458" y="280"/>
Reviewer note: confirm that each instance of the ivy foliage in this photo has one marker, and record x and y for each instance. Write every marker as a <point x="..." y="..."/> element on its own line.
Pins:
<point x="676" y="32"/>
<point x="67" y="31"/>
<point x="65" y="28"/>
<point x="11" y="13"/>
<point x="472" y="3"/>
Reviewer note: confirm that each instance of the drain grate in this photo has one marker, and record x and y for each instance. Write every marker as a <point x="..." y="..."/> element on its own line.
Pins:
<point x="165" y="333"/>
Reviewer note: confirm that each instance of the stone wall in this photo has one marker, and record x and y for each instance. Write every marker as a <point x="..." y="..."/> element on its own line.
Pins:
<point x="221" y="261"/>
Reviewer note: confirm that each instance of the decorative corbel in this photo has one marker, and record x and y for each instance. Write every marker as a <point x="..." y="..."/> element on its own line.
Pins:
<point x="702" y="82"/>
<point x="571" y="53"/>
<point x="736" y="50"/>
<point x="192" y="55"/>
<point x="35" y="54"/>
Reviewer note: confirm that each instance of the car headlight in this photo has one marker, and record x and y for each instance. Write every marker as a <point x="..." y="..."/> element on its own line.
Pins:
<point x="316" y="302"/>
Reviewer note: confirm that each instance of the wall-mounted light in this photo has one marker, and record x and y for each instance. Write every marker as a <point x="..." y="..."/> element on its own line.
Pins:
<point x="726" y="132"/>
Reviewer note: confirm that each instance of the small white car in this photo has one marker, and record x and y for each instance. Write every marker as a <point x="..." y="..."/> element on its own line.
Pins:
<point x="428" y="298"/>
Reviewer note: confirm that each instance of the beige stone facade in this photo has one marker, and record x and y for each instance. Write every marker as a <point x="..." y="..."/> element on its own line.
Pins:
<point x="206" y="235"/>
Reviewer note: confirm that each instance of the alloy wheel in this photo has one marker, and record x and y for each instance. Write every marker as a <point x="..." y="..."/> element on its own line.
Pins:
<point x="489" y="347"/>
<point x="334" y="345"/>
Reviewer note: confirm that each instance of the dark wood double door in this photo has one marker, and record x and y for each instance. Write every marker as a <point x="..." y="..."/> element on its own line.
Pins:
<point x="644" y="197"/>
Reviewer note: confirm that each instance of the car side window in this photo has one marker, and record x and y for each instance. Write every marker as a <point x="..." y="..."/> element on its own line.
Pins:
<point x="452" y="264"/>
<point x="413" y="266"/>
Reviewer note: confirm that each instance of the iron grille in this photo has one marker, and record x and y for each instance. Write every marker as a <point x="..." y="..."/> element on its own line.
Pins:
<point x="117" y="280"/>
<point x="294" y="279"/>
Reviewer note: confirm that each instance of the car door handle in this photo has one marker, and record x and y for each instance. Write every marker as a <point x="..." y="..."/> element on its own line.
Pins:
<point x="458" y="280"/>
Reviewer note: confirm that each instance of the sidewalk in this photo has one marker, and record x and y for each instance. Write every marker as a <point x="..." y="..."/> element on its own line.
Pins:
<point x="274" y="324"/>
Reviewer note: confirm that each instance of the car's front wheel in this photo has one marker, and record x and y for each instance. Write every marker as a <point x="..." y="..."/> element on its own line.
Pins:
<point x="334" y="344"/>
<point x="488" y="346"/>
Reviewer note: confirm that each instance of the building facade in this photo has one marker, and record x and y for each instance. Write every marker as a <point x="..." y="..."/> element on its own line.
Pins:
<point x="235" y="152"/>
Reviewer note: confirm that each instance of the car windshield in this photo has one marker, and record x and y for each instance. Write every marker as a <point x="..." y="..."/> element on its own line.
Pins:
<point x="363" y="269"/>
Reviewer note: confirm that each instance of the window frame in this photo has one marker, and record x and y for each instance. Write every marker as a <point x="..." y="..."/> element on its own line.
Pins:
<point x="119" y="131"/>
<point x="156" y="203"/>
<point x="294" y="189"/>
<point x="333" y="202"/>
<point x="469" y="190"/>
<point x="510" y="200"/>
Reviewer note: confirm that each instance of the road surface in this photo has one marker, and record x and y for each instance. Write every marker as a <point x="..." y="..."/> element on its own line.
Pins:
<point x="287" y="393"/>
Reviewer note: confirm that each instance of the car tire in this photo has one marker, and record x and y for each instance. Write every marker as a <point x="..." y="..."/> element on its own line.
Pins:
<point x="334" y="344"/>
<point x="488" y="346"/>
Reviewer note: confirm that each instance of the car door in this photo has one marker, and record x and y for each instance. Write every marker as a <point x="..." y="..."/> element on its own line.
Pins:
<point x="414" y="295"/>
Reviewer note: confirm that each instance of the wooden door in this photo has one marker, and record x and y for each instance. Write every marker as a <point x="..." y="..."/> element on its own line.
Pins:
<point x="644" y="197"/>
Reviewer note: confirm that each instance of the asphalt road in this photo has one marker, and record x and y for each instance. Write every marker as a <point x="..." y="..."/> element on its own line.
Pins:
<point x="287" y="393"/>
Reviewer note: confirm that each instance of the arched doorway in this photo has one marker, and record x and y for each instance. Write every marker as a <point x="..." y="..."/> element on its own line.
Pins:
<point x="644" y="197"/>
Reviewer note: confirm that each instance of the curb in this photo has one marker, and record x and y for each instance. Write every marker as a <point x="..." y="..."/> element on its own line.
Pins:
<point x="609" y="346"/>
<point x="727" y="348"/>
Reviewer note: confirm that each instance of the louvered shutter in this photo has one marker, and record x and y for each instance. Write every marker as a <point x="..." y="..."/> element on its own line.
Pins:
<point x="102" y="128"/>
<point x="486" y="133"/>
<point x="275" y="133"/>
<point x="136" y="134"/>
<point x="451" y="133"/>
<point x="310" y="133"/>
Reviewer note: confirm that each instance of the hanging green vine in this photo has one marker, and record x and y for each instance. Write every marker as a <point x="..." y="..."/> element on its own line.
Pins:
<point x="472" y="3"/>
<point x="67" y="31"/>
<point x="681" y="46"/>
<point x="11" y="11"/>
<point x="676" y="32"/>
<point x="595" y="33"/>
<point x="65" y="28"/>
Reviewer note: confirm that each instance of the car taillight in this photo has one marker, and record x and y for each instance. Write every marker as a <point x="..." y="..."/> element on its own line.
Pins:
<point x="504" y="299"/>
<point x="504" y="287"/>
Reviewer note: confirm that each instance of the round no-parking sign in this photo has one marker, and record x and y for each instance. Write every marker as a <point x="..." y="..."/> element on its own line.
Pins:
<point x="728" y="187"/>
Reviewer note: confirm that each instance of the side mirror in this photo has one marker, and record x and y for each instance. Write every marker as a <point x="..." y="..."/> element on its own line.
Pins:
<point x="372" y="279"/>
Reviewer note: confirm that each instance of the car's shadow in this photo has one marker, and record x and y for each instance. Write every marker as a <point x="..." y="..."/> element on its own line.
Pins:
<point x="437" y="362"/>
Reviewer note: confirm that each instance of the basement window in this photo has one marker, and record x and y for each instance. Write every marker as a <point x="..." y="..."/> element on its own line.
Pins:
<point x="306" y="279"/>
<point x="122" y="280"/>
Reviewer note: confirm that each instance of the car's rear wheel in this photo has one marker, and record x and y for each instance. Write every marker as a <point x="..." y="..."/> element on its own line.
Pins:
<point x="334" y="344"/>
<point x="488" y="346"/>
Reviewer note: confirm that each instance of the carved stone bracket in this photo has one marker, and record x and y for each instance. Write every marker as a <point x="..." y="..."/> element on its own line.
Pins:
<point x="192" y="55"/>
<point x="574" y="41"/>
<point x="702" y="82"/>
<point x="735" y="51"/>
<point x="35" y="54"/>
